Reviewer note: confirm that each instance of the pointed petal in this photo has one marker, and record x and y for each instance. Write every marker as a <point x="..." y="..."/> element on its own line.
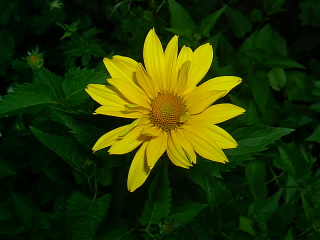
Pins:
<point x="129" y="142"/>
<point x="218" y="113"/>
<point x="191" y="155"/>
<point x="118" y="111"/>
<point x="146" y="82"/>
<point x="199" y="99"/>
<point x="105" y="95"/>
<point x="156" y="148"/>
<point x="222" y="83"/>
<point x="200" y="65"/>
<point x="185" y="55"/>
<point x="139" y="170"/>
<point x="131" y="91"/>
<point x="154" y="59"/>
<point x="182" y="78"/>
<point x="208" y="150"/>
<point x="170" y="56"/>
<point x="212" y="133"/>
<point x="121" y="67"/>
<point x="176" y="153"/>
<point x="108" y="139"/>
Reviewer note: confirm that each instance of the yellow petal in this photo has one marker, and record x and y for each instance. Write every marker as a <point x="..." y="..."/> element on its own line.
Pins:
<point x="218" y="113"/>
<point x="200" y="65"/>
<point x="108" y="139"/>
<point x="151" y="131"/>
<point x="191" y="155"/>
<point x="130" y="126"/>
<point x="131" y="91"/>
<point x="156" y="148"/>
<point x="182" y="78"/>
<point x="118" y="111"/>
<point x="139" y="170"/>
<point x="208" y="150"/>
<point x="170" y="56"/>
<point x="121" y="67"/>
<point x="199" y="99"/>
<point x="212" y="133"/>
<point x="129" y="142"/>
<point x="105" y="94"/>
<point x="154" y="59"/>
<point x="222" y="83"/>
<point x="185" y="55"/>
<point x="176" y="153"/>
<point x="146" y="82"/>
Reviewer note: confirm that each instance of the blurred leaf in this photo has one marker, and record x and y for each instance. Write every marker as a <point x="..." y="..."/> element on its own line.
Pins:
<point x="181" y="21"/>
<point x="158" y="203"/>
<point x="255" y="175"/>
<point x="310" y="13"/>
<point x="238" y="21"/>
<point x="273" y="6"/>
<point x="208" y="23"/>
<point x="6" y="10"/>
<point x="315" y="136"/>
<point x="64" y="147"/>
<point x="277" y="78"/>
<point x="246" y="226"/>
<point x="76" y="81"/>
<point x="5" y="170"/>
<point x="83" y="215"/>
<point x="186" y="213"/>
<point x="6" y="49"/>
<point x="282" y="62"/>
<point x="260" y="89"/>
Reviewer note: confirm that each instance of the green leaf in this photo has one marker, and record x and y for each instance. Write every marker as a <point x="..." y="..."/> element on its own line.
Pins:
<point x="6" y="49"/>
<point x="263" y="210"/>
<point x="255" y="175"/>
<point x="5" y="170"/>
<point x="238" y="22"/>
<point x="260" y="89"/>
<point x="86" y="134"/>
<point x="64" y="147"/>
<point x="315" y="136"/>
<point x="76" y="80"/>
<point x="83" y="215"/>
<point x="180" y="19"/>
<point x="282" y="62"/>
<point x="277" y="78"/>
<point x="246" y="226"/>
<point x="187" y="213"/>
<point x="158" y="203"/>
<point x="208" y="23"/>
<point x="253" y="139"/>
<point x="26" y="98"/>
<point x="310" y="13"/>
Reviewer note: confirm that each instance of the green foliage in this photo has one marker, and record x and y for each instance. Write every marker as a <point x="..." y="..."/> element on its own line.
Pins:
<point x="54" y="187"/>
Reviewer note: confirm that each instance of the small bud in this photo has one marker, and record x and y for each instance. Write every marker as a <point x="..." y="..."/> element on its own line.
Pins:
<point x="34" y="59"/>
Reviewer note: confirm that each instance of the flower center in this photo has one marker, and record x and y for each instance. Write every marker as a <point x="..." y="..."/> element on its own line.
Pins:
<point x="168" y="111"/>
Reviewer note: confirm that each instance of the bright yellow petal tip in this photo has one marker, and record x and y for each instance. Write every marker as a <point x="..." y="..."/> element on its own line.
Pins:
<point x="173" y="115"/>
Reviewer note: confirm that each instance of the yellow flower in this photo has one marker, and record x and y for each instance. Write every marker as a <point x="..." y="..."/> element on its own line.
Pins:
<point x="172" y="113"/>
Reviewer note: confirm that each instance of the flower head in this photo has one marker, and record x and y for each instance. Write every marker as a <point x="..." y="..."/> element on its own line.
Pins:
<point x="34" y="59"/>
<point x="172" y="114"/>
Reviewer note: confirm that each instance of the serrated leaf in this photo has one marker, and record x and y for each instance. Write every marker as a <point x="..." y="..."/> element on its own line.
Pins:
<point x="86" y="134"/>
<point x="26" y="98"/>
<point x="262" y="210"/>
<point x="64" y="147"/>
<point x="84" y="215"/>
<point x="208" y="23"/>
<point x="238" y="21"/>
<point x="158" y="203"/>
<point x="246" y="226"/>
<point x="180" y="18"/>
<point x="76" y="80"/>
<point x="5" y="170"/>
<point x="187" y="213"/>
<point x="252" y="140"/>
